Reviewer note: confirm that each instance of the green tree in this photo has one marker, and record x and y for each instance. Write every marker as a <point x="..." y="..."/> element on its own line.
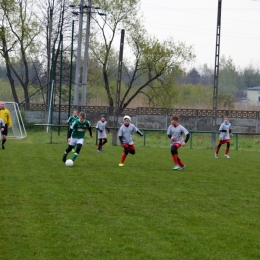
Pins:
<point x="248" y="78"/>
<point x="151" y="60"/>
<point x="228" y="76"/>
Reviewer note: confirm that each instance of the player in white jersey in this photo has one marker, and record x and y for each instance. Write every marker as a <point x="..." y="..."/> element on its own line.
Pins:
<point x="102" y="135"/>
<point x="175" y="133"/>
<point x="224" y="137"/>
<point x="125" y="135"/>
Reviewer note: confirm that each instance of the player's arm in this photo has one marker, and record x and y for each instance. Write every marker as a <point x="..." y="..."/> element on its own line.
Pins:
<point x="139" y="132"/>
<point x="187" y="134"/>
<point x="107" y="129"/>
<point x="187" y="138"/>
<point x="120" y="139"/>
<point x="97" y="127"/>
<point x="90" y="131"/>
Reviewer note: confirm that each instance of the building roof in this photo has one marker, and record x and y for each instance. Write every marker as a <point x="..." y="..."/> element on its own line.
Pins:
<point x="254" y="88"/>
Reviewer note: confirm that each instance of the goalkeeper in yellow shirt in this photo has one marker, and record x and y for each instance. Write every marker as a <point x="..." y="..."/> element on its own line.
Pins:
<point x="6" y="116"/>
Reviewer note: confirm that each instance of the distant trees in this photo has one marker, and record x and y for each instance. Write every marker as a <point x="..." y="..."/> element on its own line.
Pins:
<point x="153" y="70"/>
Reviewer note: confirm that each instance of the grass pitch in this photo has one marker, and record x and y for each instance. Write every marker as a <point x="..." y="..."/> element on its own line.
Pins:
<point x="144" y="210"/>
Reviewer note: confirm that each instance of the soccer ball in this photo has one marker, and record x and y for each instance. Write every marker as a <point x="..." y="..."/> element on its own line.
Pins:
<point x="69" y="162"/>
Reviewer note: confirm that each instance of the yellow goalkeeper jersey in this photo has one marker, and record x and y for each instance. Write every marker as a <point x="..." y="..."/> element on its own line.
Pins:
<point x="6" y="116"/>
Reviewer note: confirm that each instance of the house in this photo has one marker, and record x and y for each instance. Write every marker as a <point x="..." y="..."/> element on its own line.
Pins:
<point x="253" y="96"/>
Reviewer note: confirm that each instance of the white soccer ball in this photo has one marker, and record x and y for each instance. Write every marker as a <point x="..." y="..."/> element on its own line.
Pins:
<point x="69" y="162"/>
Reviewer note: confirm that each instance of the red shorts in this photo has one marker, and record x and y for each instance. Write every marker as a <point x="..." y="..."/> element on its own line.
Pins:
<point x="178" y="145"/>
<point x="129" y="146"/>
<point x="224" y="141"/>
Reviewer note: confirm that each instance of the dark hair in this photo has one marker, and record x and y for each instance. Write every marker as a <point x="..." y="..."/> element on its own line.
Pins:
<point x="175" y="117"/>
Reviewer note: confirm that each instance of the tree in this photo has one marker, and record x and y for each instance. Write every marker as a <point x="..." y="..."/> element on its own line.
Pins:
<point x="151" y="59"/>
<point x="193" y="77"/>
<point x="55" y="19"/>
<point x="227" y="76"/>
<point x="206" y="75"/>
<point x="249" y="78"/>
<point x="19" y="30"/>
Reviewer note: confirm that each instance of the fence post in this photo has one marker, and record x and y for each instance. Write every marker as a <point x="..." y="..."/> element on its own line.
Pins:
<point x="236" y="141"/>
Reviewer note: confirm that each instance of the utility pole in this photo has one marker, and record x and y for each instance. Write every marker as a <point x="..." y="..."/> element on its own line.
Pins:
<point x="78" y="60"/>
<point x="85" y="66"/>
<point x="216" y="74"/>
<point x="83" y="83"/>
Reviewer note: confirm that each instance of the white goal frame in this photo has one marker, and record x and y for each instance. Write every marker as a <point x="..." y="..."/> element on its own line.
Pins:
<point x="18" y="130"/>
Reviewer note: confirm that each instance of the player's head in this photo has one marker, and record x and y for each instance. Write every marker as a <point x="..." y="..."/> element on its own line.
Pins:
<point x="226" y="120"/>
<point x="75" y="112"/>
<point x="127" y="120"/>
<point x="82" y="116"/>
<point x="103" y="118"/>
<point x="2" y="104"/>
<point x="174" y="120"/>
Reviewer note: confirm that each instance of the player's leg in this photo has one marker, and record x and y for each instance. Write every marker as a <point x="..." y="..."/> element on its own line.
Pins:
<point x="217" y="149"/>
<point x="131" y="149"/>
<point x="177" y="161"/>
<point x="70" y="147"/>
<point x="227" y="150"/>
<point x="99" y="144"/>
<point x="4" y="136"/>
<point x="103" y="143"/>
<point x="124" y="155"/>
<point x="78" y="148"/>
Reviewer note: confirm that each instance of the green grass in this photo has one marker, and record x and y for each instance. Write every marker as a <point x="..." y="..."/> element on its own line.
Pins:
<point x="144" y="210"/>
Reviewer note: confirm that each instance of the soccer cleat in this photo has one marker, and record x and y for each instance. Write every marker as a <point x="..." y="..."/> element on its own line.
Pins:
<point x="176" y="167"/>
<point x="120" y="164"/>
<point x="98" y="151"/>
<point x="64" y="157"/>
<point x="227" y="156"/>
<point x="101" y="149"/>
<point x="216" y="155"/>
<point x="181" y="168"/>
<point x="3" y="147"/>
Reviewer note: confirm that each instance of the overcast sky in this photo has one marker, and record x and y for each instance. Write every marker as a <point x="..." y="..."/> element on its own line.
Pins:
<point x="195" y="21"/>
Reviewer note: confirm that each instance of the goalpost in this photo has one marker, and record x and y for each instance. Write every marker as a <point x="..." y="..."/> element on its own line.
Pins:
<point x="18" y="130"/>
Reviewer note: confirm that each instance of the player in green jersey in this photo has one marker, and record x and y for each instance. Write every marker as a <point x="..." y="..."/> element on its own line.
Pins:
<point x="79" y="128"/>
<point x="70" y="121"/>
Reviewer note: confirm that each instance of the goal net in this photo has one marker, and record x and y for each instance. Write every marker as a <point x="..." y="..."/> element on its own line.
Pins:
<point x="18" y="130"/>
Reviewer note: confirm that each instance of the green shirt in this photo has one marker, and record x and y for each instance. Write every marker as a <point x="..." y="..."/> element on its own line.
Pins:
<point x="79" y="129"/>
<point x="71" y="120"/>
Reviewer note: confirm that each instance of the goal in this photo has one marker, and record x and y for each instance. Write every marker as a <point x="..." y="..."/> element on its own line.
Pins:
<point x="18" y="130"/>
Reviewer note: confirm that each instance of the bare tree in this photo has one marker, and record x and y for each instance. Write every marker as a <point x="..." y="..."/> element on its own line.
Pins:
<point x="20" y="41"/>
<point x="150" y="59"/>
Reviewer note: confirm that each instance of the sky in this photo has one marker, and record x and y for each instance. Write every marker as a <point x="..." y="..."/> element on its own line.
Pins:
<point x="195" y="22"/>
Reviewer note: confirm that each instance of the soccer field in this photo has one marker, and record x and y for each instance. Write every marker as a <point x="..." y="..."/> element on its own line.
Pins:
<point x="144" y="210"/>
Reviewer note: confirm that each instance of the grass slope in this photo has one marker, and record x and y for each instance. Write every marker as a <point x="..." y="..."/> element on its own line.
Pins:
<point x="144" y="210"/>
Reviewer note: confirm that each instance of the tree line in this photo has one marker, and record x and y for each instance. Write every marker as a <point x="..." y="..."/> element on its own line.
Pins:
<point x="35" y="48"/>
